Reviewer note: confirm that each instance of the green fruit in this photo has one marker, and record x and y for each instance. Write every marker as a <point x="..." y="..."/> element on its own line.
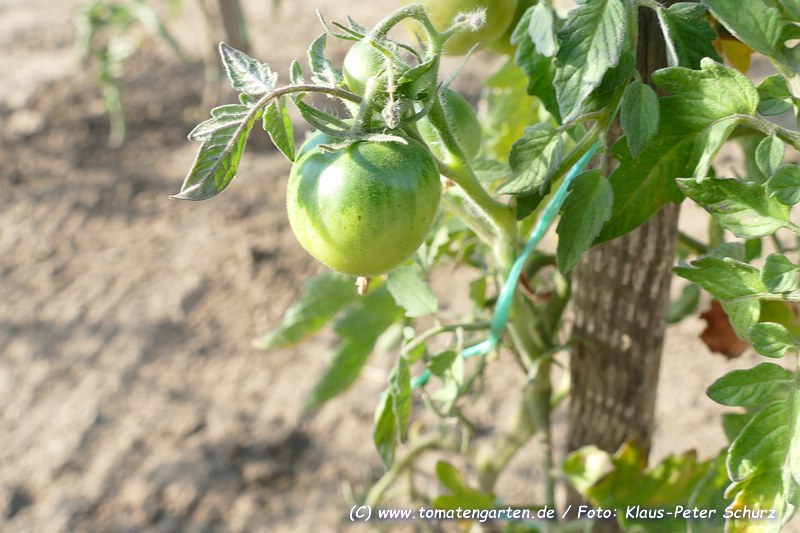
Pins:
<point x="365" y="209"/>
<point x="361" y="62"/>
<point x="499" y="14"/>
<point x="463" y="123"/>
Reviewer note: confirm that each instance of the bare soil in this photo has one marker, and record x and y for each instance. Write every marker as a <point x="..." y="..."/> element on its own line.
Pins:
<point x="130" y="396"/>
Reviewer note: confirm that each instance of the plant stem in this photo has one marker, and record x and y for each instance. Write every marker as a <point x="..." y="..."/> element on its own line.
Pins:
<point x="423" y="337"/>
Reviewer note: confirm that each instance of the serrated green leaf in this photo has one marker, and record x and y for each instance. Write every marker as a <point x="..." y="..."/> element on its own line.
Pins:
<point x="757" y="24"/>
<point x="412" y="293"/>
<point x="774" y="96"/>
<point x="583" y="214"/>
<point x="639" y="116"/>
<point x="743" y="314"/>
<point x="279" y="127"/>
<point x="743" y="208"/>
<point x="686" y="304"/>
<point x="726" y="279"/>
<point x="688" y="34"/>
<point x="771" y="339"/>
<point x="591" y="43"/>
<point x="246" y="74"/>
<point x="762" y="446"/>
<point x="542" y="30"/>
<point x="762" y="496"/>
<point x="538" y="69"/>
<point x="384" y="429"/>
<point x="751" y="387"/>
<point x="400" y="386"/>
<point x="784" y="185"/>
<point x="224" y="137"/>
<point x="359" y="330"/>
<point x="296" y="73"/>
<point x="779" y="274"/>
<point x="769" y="155"/>
<point x="323" y="297"/>
<point x="533" y="159"/>
<point x="322" y="70"/>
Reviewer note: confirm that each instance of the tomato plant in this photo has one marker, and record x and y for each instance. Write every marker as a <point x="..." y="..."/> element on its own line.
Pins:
<point x="582" y="131"/>
<point x="365" y="209"/>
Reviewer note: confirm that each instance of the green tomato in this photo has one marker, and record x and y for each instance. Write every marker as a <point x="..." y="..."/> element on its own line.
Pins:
<point x="499" y="14"/>
<point x="361" y="62"/>
<point x="503" y="44"/>
<point x="365" y="209"/>
<point x="463" y="123"/>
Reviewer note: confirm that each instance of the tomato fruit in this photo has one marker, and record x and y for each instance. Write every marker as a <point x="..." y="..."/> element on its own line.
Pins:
<point x="503" y="44"/>
<point x="361" y="62"/>
<point x="442" y="12"/>
<point x="463" y="123"/>
<point x="365" y="209"/>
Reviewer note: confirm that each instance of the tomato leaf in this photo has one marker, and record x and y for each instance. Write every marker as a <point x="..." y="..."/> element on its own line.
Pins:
<point x="779" y="275"/>
<point x="359" y="330"/>
<point x="585" y="210"/>
<point x="591" y="43"/>
<point x="743" y="314"/>
<point x="784" y="185"/>
<point x="757" y="24"/>
<point x="384" y="429"/>
<point x="685" y="304"/>
<point x="279" y="127"/>
<point x="400" y="386"/>
<point x="743" y="208"/>
<point x="769" y="155"/>
<point x="771" y="339"/>
<point x="774" y="96"/>
<point x="688" y="34"/>
<point x="726" y="279"/>
<point x="639" y="116"/>
<point x="751" y="387"/>
<point x="323" y="297"/>
<point x="224" y="136"/>
<point x="533" y="159"/>
<point x="323" y="71"/>
<point x="538" y="68"/>
<point x="411" y="292"/>
<point x="246" y="74"/>
<point x="542" y="29"/>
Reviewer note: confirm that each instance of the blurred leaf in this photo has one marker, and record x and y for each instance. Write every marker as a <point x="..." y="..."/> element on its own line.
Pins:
<point x="323" y="297"/>
<point x="533" y="159"/>
<point x="591" y="43"/>
<point x="737" y="53"/>
<point x="751" y="387"/>
<point x="721" y="335"/>
<point x="279" y="127"/>
<point x="685" y="304"/>
<point x="769" y="155"/>
<point x="359" y="330"/>
<point x="639" y="116"/>
<point x="384" y="429"/>
<point x="400" y="386"/>
<point x="743" y="208"/>
<point x="462" y="496"/>
<point x="449" y="367"/>
<point x="688" y="34"/>
<point x="784" y="185"/>
<point x="757" y="24"/>
<point x="246" y="74"/>
<point x="583" y="214"/>
<point x="771" y="339"/>
<point x="586" y="466"/>
<point x="733" y="423"/>
<point x="411" y="293"/>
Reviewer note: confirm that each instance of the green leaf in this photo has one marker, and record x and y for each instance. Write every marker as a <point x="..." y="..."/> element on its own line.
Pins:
<point x="639" y="115"/>
<point x="246" y="74"/>
<point x="771" y="339"/>
<point x="539" y="69"/>
<point x="784" y="185"/>
<point x="534" y="158"/>
<point x="688" y="34"/>
<point x="586" y="466"/>
<point x="791" y="9"/>
<point x="762" y="496"/>
<point x="757" y="24"/>
<point x="583" y="214"/>
<point x="774" y="95"/>
<point x="411" y="293"/>
<point x="448" y="367"/>
<point x="726" y="279"/>
<point x="733" y="424"/>
<point x="591" y="43"/>
<point x="542" y="30"/>
<point x="449" y="476"/>
<point x="400" y="386"/>
<point x="761" y="447"/>
<point x="742" y="208"/>
<point x="751" y="387"/>
<point x="359" y="330"/>
<point x="686" y="304"/>
<point x="462" y="495"/>
<point x="322" y="70"/>
<point x="279" y="127"/>
<point x="224" y="136"/>
<point x="323" y="297"/>
<point x="384" y="429"/>
<point x="769" y="155"/>
<point x="743" y="314"/>
<point x="779" y="275"/>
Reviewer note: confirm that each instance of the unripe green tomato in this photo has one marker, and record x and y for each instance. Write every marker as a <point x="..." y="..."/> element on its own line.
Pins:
<point x="442" y="12"/>
<point x="361" y="62"/>
<point x="463" y="123"/>
<point x="363" y="210"/>
<point x="503" y="44"/>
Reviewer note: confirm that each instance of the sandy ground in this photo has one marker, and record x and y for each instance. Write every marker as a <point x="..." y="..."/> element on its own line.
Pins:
<point x="130" y="397"/>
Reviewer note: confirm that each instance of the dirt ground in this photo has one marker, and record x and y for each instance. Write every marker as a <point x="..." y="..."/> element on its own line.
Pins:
<point x="130" y="397"/>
